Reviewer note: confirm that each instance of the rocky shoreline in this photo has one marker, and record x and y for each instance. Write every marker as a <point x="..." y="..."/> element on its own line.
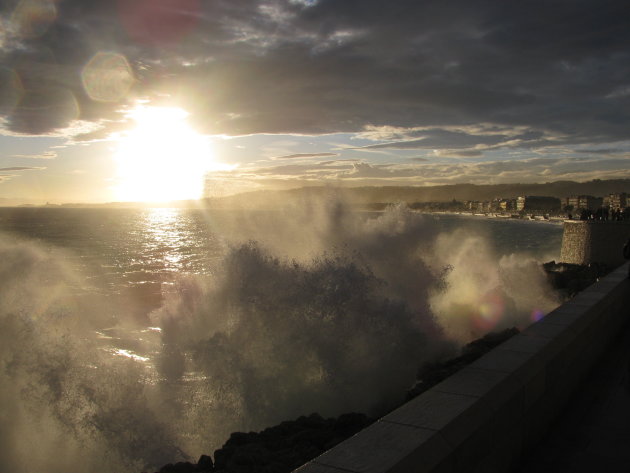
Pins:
<point x="281" y="448"/>
<point x="569" y="279"/>
<point x="290" y="444"/>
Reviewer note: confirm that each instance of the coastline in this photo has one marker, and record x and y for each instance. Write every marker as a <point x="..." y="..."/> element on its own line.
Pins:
<point x="501" y="217"/>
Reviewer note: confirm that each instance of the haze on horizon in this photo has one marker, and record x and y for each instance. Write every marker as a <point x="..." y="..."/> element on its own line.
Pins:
<point x="140" y="99"/>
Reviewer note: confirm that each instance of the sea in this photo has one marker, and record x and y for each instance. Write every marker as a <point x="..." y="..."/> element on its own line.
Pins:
<point x="131" y="338"/>
<point x="132" y="247"/>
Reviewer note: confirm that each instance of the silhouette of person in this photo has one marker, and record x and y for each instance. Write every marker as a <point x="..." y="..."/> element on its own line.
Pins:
<point x="626" y="254"/>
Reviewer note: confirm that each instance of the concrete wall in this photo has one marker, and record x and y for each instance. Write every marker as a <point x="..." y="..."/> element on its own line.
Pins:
<point x="482" y="418"/>
<point x="585" y="242"/>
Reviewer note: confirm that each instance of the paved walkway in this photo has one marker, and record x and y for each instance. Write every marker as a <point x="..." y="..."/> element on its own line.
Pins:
<point x="593" y="433"/>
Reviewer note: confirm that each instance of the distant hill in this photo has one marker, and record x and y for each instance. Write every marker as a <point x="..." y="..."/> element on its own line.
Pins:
<point x="409" y="194"/>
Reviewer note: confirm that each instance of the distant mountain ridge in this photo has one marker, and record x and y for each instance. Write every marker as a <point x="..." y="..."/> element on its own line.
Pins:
<point x="445" y="193"/>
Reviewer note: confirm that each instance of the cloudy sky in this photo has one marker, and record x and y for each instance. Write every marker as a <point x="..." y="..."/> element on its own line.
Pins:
<point x="107" y="100"/>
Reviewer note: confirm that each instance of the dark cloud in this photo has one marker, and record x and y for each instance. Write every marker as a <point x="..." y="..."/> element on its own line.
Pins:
<point x="432" y="173"/>
<point x="554" y="68"/>
<point x="599" y="151"/>
<point x="461" y="154"/>
<point x="475" y="138"/>
<point x="366" y="170"/>
<point x="305" y="169"/>
<point x="338" y="162"/>
<point x="9" y="173"/>
<point x="305" y="156"/>
<point x="20" y="168"/>
<point x="44" y="155"/>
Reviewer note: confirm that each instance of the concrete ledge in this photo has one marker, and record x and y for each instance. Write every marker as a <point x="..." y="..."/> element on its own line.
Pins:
<point x="482" y="418"/>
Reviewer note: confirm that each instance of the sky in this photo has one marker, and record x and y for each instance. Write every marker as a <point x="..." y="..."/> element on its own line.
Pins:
<point x="110" y="100"/>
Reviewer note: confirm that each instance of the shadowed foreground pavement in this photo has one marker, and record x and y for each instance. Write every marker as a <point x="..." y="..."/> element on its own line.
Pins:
<point x="593" y="433"/>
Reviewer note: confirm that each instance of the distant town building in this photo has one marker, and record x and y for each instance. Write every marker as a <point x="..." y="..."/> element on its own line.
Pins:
<point x="475" y="206"/>
<point x="537" y="203"/>
<point x="479" y="207"/>
<point x="617" y="201"/>
<point x="576" y="202"/>
<point x="507" y="205"/>
<point x="496" y="205"/>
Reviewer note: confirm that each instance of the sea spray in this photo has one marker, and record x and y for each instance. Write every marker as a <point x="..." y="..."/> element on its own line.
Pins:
<point x="66" y="405"/>
<point x="277" y="338"/>
<point x="325" y="309"/>
<point x="485" y="292"/>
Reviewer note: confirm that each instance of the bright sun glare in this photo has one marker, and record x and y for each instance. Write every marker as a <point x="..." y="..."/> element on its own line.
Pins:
<point x="162" y="158"/>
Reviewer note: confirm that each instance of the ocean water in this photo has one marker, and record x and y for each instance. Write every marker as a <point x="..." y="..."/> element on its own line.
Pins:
<point x="137" y="337"/>
<point x="130" y="247"/>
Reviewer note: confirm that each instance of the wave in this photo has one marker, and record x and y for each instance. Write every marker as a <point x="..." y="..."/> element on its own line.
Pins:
<point x="327" y="310"/>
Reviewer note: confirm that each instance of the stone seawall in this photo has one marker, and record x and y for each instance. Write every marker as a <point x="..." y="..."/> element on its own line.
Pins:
<point x="585" y="242"/>
<point x="485" y="416"/>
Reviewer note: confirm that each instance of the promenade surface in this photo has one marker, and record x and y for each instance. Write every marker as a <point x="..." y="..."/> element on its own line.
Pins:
<point x="593" y="432"/>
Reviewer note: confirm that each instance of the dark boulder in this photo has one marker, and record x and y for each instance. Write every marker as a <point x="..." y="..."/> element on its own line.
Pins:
<point x="205" y="464"/>
<point x="179" y="467"/>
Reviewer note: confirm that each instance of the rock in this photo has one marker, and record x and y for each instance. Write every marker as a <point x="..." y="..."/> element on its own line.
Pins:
<point x="283" y="447"/>
<point x="350" y="423"/>
<point x="569" y="279"/>
<point x="179" y="467"/>
<point x="205" y="464"/>
<point x="435" y="372"/>
<point x="221" y="457"/>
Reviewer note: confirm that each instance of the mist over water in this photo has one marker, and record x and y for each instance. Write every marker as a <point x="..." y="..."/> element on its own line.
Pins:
<point x="66" y="406"/>
<point x="311" y="308"/>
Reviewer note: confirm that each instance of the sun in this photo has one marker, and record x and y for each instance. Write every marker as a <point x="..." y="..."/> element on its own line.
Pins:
<point x="162" y="158"/>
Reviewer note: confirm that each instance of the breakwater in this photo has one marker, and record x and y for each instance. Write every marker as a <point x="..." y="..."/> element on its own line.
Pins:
<point x="586" y="242"/>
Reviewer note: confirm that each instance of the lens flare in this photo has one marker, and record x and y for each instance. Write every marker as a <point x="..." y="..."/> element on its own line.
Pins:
<point x="537" y="315"/>
<point x="42" y="109"/>
<point x="11" y="90"/>
<point x="489" y="312"/>
<point x="107" y="77"/>
<point x="32" y="18"/>
<point x="159" y="22"/>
